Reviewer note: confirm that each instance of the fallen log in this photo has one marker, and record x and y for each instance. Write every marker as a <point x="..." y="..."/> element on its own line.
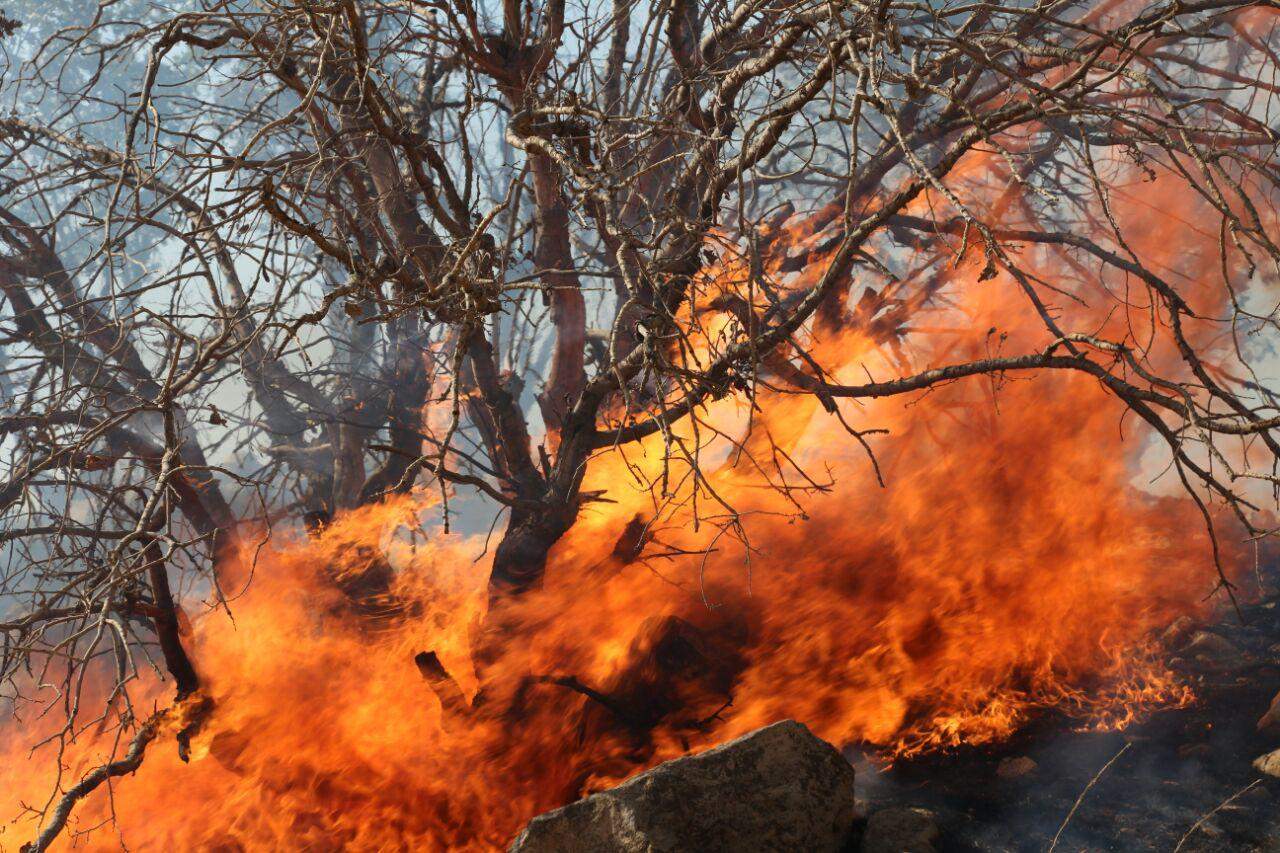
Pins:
<point x="453" y="702"/>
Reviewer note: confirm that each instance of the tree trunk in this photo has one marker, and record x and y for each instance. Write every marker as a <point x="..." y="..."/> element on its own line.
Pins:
<point x="521" y="557"/>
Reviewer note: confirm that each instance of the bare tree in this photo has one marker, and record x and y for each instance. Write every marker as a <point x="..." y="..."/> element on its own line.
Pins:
<point x="247" y="247"/>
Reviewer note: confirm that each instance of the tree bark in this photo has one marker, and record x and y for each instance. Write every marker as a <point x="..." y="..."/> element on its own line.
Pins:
<point x="520" y="560"/>
<point x="554" y="258"/>
<point x="166" y="624"/>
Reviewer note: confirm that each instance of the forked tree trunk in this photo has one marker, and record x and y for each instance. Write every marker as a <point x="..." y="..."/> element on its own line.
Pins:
<point x="520" y="560"/>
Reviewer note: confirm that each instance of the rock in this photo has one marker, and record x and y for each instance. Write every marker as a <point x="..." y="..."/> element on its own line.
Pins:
<point x="900" y="830"/>
<point x="1207" y="646"/>
<point x="1271" y="719"/>
<point x="777" y="788"/>
<point x="1177" y="631"/>
<point x="1268" y="764"/>
<point x="1016" y="768"/>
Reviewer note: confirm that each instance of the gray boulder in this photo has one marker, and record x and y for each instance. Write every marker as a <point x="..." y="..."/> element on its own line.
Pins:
<point x="1270" y="721"/>
<point x="1268" y="764"/>
<point x="1211" y="648"/>
<point x="900" y="830"/>
<point x="777" y="788"/>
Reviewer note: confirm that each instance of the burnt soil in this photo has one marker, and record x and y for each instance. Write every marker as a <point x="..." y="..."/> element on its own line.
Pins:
<point x="1180" y="768"/>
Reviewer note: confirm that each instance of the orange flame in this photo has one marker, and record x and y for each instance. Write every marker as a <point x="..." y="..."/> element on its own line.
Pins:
<point x="1010" y="564"/>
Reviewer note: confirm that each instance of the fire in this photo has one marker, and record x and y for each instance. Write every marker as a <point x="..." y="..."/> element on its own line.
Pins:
<point x="1012" y="562"/>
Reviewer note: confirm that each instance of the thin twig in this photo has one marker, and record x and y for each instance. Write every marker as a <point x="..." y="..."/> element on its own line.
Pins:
<point x="1053" y="844"/>
<point x="94" y="778"/>
<point x="1216" y="809"/>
